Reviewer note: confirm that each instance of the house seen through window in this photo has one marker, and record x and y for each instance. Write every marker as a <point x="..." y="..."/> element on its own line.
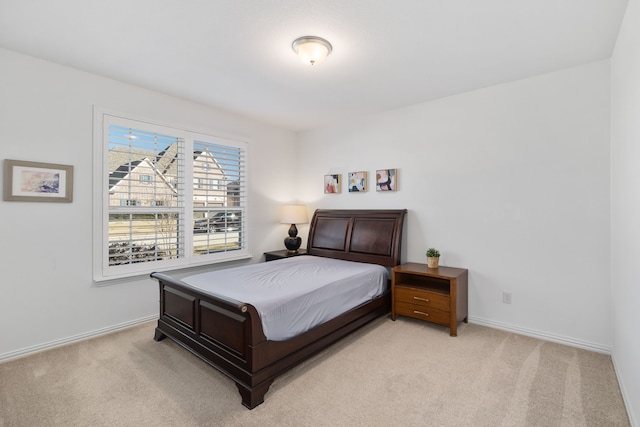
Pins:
<point x="151" y="218"/>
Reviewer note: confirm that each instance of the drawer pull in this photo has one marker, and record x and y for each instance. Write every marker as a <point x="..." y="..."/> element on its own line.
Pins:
<point x="421" y="312"/>
<point x="421" y="299"/>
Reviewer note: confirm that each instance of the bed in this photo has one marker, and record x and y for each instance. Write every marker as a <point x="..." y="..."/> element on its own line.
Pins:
<point x="228" y="333"/>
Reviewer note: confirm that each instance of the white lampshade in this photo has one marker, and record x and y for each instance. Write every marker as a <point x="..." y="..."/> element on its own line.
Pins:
<point x="293" y="214"/>
<point x="311" y="50"/>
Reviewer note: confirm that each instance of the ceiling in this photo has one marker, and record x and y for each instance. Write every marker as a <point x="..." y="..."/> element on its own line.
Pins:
<point x="236" y="54"/>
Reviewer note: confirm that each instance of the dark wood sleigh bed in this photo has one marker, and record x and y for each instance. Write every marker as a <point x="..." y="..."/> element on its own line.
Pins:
<point x="228" y="334"/>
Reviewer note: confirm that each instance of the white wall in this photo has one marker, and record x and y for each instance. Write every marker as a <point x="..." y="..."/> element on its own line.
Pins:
<point x="625" y="211"/>
<point x="511" y="182"/>
<point x="47" y="293"/>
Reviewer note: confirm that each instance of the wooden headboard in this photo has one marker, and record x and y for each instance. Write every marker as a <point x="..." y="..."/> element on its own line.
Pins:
<point x="373" y="236"/>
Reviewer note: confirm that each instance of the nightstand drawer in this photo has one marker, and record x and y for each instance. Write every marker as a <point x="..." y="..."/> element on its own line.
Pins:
<point x="421" y="298"/>
<point x="438" y="295"/>
<point x="423" y="313"/>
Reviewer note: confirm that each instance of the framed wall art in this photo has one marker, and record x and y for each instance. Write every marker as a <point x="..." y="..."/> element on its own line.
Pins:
<point x="386" y="180"/>
<point x="37" y="182"/>
<point x="331" y="184"/>
<point x="357" y="182"/>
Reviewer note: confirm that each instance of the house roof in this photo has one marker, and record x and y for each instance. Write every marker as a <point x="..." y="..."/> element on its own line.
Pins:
<point x="121" y="163"/>
<point x="122" y="172"/>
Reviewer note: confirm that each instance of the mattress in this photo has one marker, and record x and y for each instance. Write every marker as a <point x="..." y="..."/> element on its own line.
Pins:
<point x="293" y="295"/>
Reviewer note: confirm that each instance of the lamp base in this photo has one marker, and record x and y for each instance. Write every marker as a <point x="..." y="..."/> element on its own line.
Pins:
<point x="292" y="244"/>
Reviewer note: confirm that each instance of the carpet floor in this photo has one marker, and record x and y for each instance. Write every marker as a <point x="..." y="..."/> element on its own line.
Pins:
<point x="402" y="373"/>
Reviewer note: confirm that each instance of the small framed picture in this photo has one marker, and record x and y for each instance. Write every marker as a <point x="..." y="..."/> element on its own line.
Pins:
<point x="37" y="182"/>
<point x="357" y="182"/>
<point x="331" y="184"/>
<point x="386" y="180"/>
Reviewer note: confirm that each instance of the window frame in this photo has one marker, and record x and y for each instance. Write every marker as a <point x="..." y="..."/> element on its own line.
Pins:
<point x="102" y="272"/>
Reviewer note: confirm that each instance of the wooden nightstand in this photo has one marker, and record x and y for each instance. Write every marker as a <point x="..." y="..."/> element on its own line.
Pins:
<point x="271" y="256"/>
<point x="437" y="295"/>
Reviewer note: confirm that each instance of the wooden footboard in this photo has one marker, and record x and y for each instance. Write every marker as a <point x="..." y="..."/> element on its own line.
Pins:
<point x="228" y="335"/>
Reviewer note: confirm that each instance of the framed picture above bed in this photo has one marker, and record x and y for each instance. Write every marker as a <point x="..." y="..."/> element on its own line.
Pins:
<point x="332" y="184"/>
<point x="357" y="182"/>
<point x="386" y="180"/>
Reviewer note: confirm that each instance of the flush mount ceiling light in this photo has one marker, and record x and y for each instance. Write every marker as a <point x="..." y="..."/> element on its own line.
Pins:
<point x="311" y="50"/>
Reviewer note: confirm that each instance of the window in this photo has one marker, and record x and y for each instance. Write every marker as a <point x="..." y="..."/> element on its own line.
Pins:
<point x="151" y="220"/>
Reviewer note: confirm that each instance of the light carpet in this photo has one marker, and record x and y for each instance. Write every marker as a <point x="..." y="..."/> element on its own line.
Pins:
<point x="402" y="373"/>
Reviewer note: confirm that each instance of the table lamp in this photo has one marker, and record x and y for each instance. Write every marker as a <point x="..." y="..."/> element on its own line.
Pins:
<point x="293" y="214"/>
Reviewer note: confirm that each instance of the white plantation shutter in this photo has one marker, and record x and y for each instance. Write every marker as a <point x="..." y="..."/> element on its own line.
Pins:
<point x="218" y="197"/>
<point x="170" y="198"/>
<point x="146" y="204"/>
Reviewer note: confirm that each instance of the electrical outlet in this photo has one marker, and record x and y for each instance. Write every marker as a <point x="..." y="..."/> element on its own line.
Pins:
<point x="506" y="297"/>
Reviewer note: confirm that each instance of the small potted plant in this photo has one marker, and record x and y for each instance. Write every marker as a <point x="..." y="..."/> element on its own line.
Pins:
<point x="433" y="256"/>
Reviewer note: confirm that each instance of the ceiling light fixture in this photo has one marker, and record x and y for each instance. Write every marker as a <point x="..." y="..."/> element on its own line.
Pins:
<point x="311" y="50"/>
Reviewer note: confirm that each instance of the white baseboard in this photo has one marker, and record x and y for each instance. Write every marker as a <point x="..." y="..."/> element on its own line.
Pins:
<point x="69" y="340"/>
<point x="633" y="419"/>
<point x="477" y="320"/>
<point x="541" y="335"/>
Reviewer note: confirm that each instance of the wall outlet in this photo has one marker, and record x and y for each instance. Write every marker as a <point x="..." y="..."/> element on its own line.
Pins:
<point x="506" y="297"/>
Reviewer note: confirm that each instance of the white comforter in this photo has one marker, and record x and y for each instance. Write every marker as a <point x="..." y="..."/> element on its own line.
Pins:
<point x="295" y="294"/>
